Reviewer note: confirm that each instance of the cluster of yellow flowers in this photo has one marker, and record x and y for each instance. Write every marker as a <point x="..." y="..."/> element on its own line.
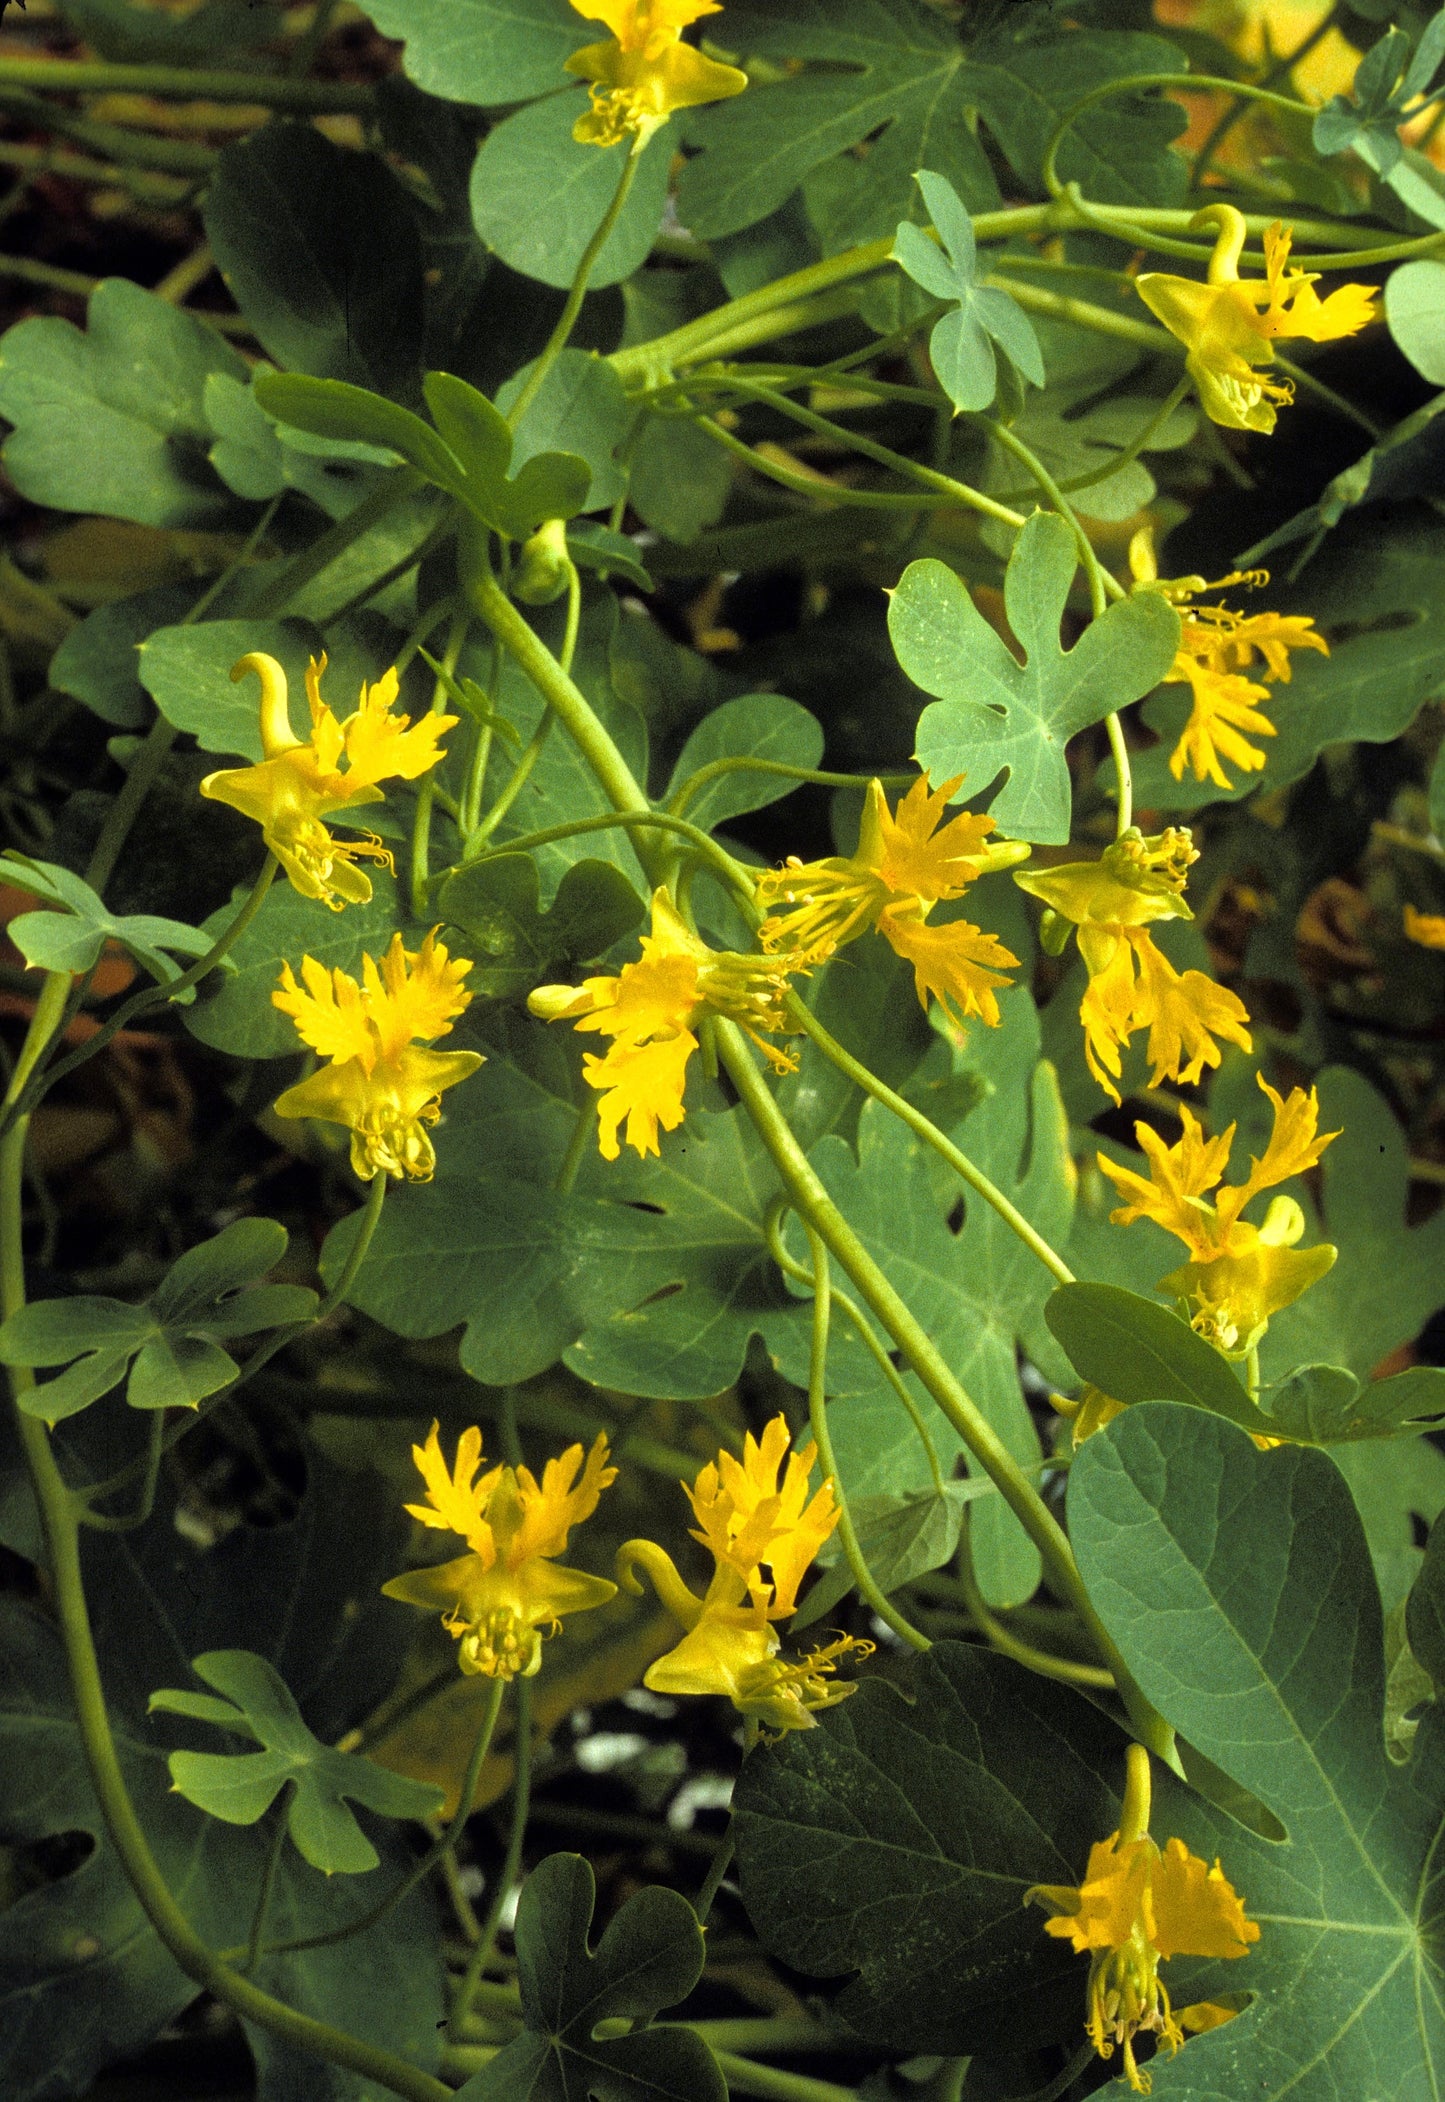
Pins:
<point x="755" y="1516"/>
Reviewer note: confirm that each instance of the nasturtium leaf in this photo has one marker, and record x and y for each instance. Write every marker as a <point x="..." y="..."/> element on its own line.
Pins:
<point x="1415" y="311"/>
<point x="649" y="1958"/>
<point x="112" y="418"/>
<point x="1081" y="443"/>
<point x="538" y="196"/>
<point x="320" y="249"/>
<point x="962" y="343"/>
<point x="894" y="1844"/>
<point x="595" y="546"/>
<point x="209" y="1292"/>
<point x="1425" y="1608"/>
<point x="71" y="936"/>
<point x="579" y="409"/>
<point x="977" y="1290"/>
<point x="83" y="1976"/>
<point x="515" y="945"/>
<point x="678" y="477"/>
<point x="240" y="1787"/>
<point x="97" y="661"/>
<point x="1136" y="1350"/>
<point x="1378" y="598"/>
<point x="186" y="670"/>
<point x="900" y="1537"/>
<point x="764" y="726"/>
<point x="1326" y="1405"/>
<point x="486" y="51"/>
<point x="994" y="712"/>
<point x="1237" y="1586"/>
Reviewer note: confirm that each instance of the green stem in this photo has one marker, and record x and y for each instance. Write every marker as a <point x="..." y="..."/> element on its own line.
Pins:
<point x="263" y="1895"/>
<point x="182" y="83"/>
<point x="110" y="141"/>
<point x="61" y="1529"/>
<point x="1124" y="775"/>
<point x="924" y="1128"/>
<point x="716" y="769"/>
<point x="476" y="781"/>
<point x="1127" y="454"/>
<point x="577" y="1145"/>
<point x="481" y="1955"/>
<point x="129" y="1521"/>
<point x="732" y="872"/>
<point x="717" y="1868"/>
<point x="820" y="489"/>
<point x="1303" y="377"/>
<point x="436" y="1855"/>
<point x="863" y="1577"/>
<point x="817" y="1209"/>
<point x="1280" y="70"/>
<point x="395" y="489"/>
<point x="426" y="795"/>
<point x="745" y="2077"/>
<point x="1004" y="1640"/>
<point x="773" y="1229"/>
<point x="566" y="320"/>
<point x="1131" y="83"/>
<point x="522" y="771"/>
<point x="156" y="995"/>
<point x="141" y="777"/>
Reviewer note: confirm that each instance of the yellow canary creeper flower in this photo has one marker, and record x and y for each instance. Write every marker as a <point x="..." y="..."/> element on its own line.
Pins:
<point x="1230" y="324"/>
<point x="646" y="71"/>
<point x="1138" y="1906"/>
<point x="1111" y="904"/>
<point x="380" y="1083"/>
<point x="297" y="784"/>
<point x="1239" y="1274"/>
<point x="762" y="1532"/>
<point x="1217" y="651"/>
<point x="507" y="1592"/>
<point x="904" y="866"/>
<point x="1092" y="1409"/>
<point x="1426" y="928"/>
<point x="649" y="1009"/>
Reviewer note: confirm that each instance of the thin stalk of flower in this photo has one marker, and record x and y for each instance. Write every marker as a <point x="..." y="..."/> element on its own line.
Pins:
<point x="868" y="1587"/>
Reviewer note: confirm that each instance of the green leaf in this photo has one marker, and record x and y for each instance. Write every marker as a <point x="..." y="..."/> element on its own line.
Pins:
<point x="336" y="409"/>
<point x="1379" y="600"/>
<point x="902" y="90"/>
<point x="754" y="726"/>
<point x="113" y="419"/>
<point x="962" y="343"/>
<point x="320" y="249"/>
<point x="977" y="1291"/>
<point x="1136" y="1350"/>
<point x="83" y="1977"/>
<point x="679" y="477"/>
<point x="580" y="410"/>
<point x="1415" y="311"/>
<point x="1074" y="441"/>
<point x="96" y="663"/>
<point x="71" y="937"/>
<point x="494" y="906"/>
<point x="1325" y="1404"/>
<point x="239" y="1788"/>
<point x="1425" y="1610"/>
<point x="487" y="51"/>
<point x="901" y="1537"/>
<point x="650" y="1957"/>
<point x="171" y="1335"/>
<point x="1238" y="1589"/>
<point x="143" y="35"/>
<point x="997" y="713"/>
<point x="538" y="196"/>
<point x="894" y="1843"/>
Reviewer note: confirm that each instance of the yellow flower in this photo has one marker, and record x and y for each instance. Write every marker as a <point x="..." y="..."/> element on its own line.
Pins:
<point x="1132" y="984"/>
<point x="762" y="1533"/>
<point x="1426" y="928"/>
<point x="1239" y="1274"/>
<point x="904" y="866"/>
<point x="646" y="71"/>
<point x="1217" y="648"/>
<point x="297" y="784"/>
<point x="1230" y="324"/>
<point x="1137" y="1907"/>
<point x="1089" y="1412"/>
<point x="649" y="1008"/>
<point x="507" y="1592"/>
<point x="380" y="1082"/>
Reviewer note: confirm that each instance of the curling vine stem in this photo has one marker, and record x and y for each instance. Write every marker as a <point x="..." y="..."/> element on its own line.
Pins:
<point x="566" y="320"/>
<point x="481" y="1955"/>
<point x="1003" y="1639"/>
